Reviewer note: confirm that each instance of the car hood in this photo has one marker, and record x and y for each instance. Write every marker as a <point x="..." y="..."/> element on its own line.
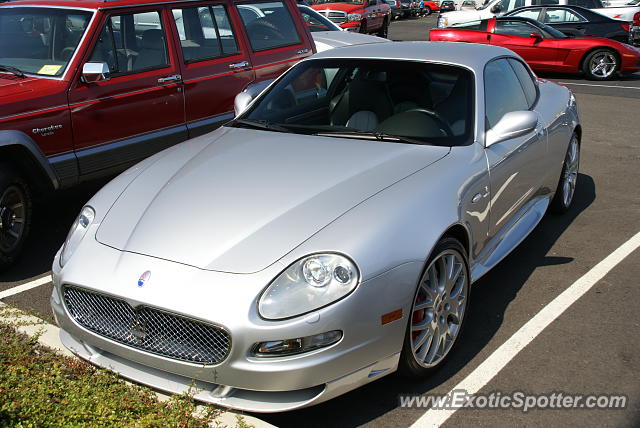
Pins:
<point x="246" y="198"/>
<point x="461" y="16"/>
<point x="325" y="40"/>
<point x="19" y="95"/>
<point x="339" y="6"/>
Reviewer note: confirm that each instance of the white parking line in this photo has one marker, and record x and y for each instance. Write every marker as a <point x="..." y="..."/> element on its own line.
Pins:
<point x="602" y="86"/>
<point x="520" y="339"/>
<point x="24" y="287"/>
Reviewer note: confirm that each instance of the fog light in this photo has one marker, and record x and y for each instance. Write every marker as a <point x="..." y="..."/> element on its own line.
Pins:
<point x="280" y="348"/>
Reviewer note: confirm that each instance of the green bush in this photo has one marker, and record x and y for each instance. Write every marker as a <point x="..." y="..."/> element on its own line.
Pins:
<point x="39" y="388"/>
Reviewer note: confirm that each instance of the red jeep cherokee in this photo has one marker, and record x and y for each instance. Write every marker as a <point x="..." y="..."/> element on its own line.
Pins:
<point x="87" y="87"/>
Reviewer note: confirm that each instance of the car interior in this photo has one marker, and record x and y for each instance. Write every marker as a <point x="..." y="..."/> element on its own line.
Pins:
<point x="419" y="101"/>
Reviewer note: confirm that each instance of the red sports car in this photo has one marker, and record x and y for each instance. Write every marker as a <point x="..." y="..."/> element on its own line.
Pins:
<point x="547" y="49"/>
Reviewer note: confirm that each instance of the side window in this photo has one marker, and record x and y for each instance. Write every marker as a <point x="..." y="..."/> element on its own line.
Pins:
<point x="515" y="28"/>
<point x="131" y="43"/>
<point x="526" y="80"/>
<point x="502" y="90"/>
<point x="552" y="16"/>
<point x="529" y="13"/>
<point x="204" y="32"/>
<point x="269" y="25"/>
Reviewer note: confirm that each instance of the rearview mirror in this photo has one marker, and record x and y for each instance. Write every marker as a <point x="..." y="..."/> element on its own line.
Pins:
<point x="93" y="72"/>
<point x="513" y="124"/>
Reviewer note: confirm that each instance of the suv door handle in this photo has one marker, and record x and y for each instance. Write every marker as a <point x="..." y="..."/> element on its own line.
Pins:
<point x="173" y="78"/>
<point x="242" y="64"/>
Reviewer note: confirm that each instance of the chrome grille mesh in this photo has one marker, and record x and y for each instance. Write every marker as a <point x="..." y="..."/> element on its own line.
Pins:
<point x="335" y="16"/>
<point x="147" y="328"/>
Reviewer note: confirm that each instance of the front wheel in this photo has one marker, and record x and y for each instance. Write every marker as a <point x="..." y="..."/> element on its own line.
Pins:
<point x="568" y="178"/>
<point x="437" y="313"/>
<point x="601" y="64"/>
<point x="15" y="215"/>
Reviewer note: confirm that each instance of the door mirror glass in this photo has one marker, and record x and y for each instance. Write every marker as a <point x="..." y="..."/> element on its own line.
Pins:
<point x="93" y="72"/>
<point x="512" y="125"/>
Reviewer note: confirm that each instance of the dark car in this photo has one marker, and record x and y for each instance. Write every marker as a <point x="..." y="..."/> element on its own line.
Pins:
<point x="396" y="8"/>
<point x="576" y="21"/>
<point x="447" y="6"/>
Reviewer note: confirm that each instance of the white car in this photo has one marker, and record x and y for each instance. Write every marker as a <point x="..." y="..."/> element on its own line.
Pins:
<point x="499" y="7"/>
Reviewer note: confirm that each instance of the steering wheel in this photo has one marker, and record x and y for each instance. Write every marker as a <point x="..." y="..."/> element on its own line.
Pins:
<point x="435" y="116"/>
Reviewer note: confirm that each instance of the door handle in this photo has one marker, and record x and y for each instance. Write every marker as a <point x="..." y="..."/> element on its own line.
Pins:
<point x="237" y="65"/>
<point x="173" y="78"/>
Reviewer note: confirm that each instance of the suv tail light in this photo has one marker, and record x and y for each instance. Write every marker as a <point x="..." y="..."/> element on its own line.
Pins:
<point x="636" y="19"/>
<point x="626" y="27"/>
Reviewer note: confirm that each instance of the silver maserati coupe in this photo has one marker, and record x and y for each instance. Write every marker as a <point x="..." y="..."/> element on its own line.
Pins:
<point x="328" y="235"/>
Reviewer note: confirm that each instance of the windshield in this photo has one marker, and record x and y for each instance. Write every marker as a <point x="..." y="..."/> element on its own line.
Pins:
<point x="40" y="40"/>
<point x="339" y="1"/>
<point x="316" y="22"/>
<point x="421" y="102"/>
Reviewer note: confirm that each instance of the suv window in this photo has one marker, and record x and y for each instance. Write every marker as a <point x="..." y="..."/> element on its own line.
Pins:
<point x="269" y="25"/>
<point x="131" y="43"/>
<point x="40" y="40"/>
<point x="526" y="80"/>
<point x="503" y="91"/>
<point x="205" y="32"/>
<point x="515" y="28"/>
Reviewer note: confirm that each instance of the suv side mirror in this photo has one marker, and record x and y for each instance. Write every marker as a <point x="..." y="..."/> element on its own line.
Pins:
<point x="496" y="8"/>
<point x="93" y="72"/>
<point x="512" y="125"/>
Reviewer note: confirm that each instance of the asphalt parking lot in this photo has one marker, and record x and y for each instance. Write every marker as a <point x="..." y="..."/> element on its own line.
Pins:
<point x="592" y="348"/>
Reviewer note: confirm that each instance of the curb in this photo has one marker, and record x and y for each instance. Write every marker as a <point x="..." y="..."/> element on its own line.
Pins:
<point x="50" y="337"/>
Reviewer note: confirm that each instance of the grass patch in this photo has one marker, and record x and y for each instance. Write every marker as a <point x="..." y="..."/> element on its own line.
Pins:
<point x="39" y="388"/>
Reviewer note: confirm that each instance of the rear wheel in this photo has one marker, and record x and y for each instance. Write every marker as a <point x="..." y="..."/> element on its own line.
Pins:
<point x="363" y="26"/>
<point x="15" y="215"/>
<point x="438" y="310"/>
<point x="601" y="64"/>
<point x="568" y="179"/>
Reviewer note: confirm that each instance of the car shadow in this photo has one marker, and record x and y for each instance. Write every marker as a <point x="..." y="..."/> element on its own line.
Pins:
<point x="53" y="214"/>
<point x="492" y="295"/>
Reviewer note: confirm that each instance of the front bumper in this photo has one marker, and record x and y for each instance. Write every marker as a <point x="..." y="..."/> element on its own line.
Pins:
<point x="367" y="351"/>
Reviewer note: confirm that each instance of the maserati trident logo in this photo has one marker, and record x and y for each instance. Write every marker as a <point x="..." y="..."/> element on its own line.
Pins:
<point x="138" y="330"/>
<point x="144" y="278"/>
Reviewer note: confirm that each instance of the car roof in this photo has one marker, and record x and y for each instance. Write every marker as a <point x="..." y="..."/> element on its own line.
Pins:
<point x="470" y="55"/>
<point x="84" y="4"/>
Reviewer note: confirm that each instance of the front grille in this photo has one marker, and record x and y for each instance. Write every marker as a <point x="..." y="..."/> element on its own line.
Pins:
<point x="147" y="328"/>
<point x="335" y="16"/>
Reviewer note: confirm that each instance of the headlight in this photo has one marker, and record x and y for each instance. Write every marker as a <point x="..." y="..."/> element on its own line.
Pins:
<point x="354" y="17"/>
<point x="308" y="284"/>
<point x="77" y="232"/>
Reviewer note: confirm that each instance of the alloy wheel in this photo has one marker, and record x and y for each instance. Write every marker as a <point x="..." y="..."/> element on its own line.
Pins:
<point x="603" y="64"/>
<point x="570" y="171"/>
<point x="13" y="209"/>
<point x="439" y="308"/>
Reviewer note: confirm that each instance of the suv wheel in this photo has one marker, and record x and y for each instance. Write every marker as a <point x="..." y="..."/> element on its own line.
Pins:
<point x="15" y="215"/>
<point x="384" y="30"/>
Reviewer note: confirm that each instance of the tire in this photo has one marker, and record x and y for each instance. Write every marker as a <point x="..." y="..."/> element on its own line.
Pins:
<point x="427" y="11"/>
<point x="566" y="189"/>
<point x="16" y="208"/>
<point x="601" y="64"/>
<point x="363" y="26"/>
<point x="447" y="314"/>
<point x="384" y="30"/>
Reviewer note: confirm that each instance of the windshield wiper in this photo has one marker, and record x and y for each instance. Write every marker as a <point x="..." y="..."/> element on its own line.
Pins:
<point x="378" y="136"/>
<point x="260" y="124"/>
<point x="12" y="70"/>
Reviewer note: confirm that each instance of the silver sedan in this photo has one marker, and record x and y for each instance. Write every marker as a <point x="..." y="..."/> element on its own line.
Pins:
<point x="326" y="237"/>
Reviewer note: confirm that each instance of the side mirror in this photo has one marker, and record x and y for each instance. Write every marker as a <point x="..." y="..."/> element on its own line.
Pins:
<point x="512" y="125"/>
<point x="241" y="102"/>
<point x="93" y="72"/>
<point x="536" y="36"/>
<point x="496" y="8"/>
